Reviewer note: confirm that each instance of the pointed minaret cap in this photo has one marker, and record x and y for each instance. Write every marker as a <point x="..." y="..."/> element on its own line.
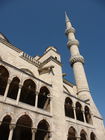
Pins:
<point x="68" y="23"/>
<point x="66" y="18"/>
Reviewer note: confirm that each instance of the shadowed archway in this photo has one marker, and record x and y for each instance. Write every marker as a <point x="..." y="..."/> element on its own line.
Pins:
<point x="4" y="74"/>
<point x="22" y="130"/>
<point x="43" y="99"/>
<point x="69" y="111"/>
<point x="71" y="134"/>
<point x="4" y="128"/>
<point x="42" y="131"/>
<point x="28" y="92"/>
<point x="13" y="88"/>
<point x="83" y="135"/>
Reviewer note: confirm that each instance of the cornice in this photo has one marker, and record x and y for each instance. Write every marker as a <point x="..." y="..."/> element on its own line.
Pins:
<point x="68" y="83"/>
<point x="20" y="70"/>
<point x="50" y="59"/>
<point x="10" y="45"/>
<point x="30" y="59"/>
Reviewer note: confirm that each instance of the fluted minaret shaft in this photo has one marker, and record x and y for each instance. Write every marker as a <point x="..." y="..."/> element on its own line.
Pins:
<point x="77" y="62"/>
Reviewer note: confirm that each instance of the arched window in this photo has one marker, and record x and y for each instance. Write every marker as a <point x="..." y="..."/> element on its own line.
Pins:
<point x="79" y="113"/>
<point x="69" y="112"/>
<point x="71" y="134"/>
<point x="42" y="131"/>
<point x="43" y="99"/>
<point x="4" y="128"/>
<point x="22" y="130"/>
<point x="92" y="136"/>
<point x="3" y="79"/>
<point x="83" y="135"/>
<point x="88" y="115"/>
<point x="13" y="88"/>
<point x="28" y="92"/>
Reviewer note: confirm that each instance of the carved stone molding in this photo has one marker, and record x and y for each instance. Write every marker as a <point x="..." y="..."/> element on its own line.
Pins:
<point x="77" y="58"/>
<point x="72" y="42"/>
<point x="69" y="30"/>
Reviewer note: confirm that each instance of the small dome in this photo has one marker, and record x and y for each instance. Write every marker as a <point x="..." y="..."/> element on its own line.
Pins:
<point x="3" y="37"/>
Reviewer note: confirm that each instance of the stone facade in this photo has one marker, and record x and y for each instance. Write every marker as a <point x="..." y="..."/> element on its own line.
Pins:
<point x="38" y="103"/>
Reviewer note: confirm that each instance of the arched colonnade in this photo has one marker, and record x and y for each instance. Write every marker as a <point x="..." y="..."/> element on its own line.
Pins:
<point x="24" y="129"/>
<point x="72" y="135"/>
<point x="77" y="111"/>
<point x="26" y="93"/>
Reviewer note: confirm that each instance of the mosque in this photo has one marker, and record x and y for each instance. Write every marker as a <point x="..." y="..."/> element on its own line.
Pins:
<point x="38" y="103"/>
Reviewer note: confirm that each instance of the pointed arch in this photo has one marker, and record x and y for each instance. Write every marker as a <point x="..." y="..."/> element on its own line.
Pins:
<point x="22" y="130"/>
<point x="71" y="133"/>
<point x="79" y="112"/>
<point x="44" y="99"/>
<point x="28" y="92"/>
<point x="4" y="128"/>
<point x="88" y="115"/>
<point x="83" y="135"/>
<point x="69" y="111"/>
<point x="92" y="136"/>
<point x="4" y="74"/>
<point x="43" y="130"/>
<point x="13" y="88"/>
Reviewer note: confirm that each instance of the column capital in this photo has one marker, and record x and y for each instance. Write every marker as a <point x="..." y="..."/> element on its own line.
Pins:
<point x="20" y="86"/>
<point x="49" y="134"/>
<point x="33" y="130"/>
<point x="36" y="92"/>
<point x="12" y="126"/>
<point x="78" y="138"/>
<point x="9" y="81"/>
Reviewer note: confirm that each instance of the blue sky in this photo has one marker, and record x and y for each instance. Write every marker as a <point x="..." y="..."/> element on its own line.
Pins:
<point x="33" y="25"/>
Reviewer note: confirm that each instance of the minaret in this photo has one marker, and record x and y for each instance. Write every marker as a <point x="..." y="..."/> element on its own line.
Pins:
<point x="77" y="62"/>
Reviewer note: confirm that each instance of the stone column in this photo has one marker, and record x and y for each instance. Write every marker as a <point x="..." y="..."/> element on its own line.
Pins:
<point x="74" y="113"/>
<point x="36" y="101"/>
<point x="12" y="126"/>
<point x="84" y="116"/>
<point x="18" y="95"/>
<point x="50" y="135"/>
<point x="7" y="88"/>
<point x="33" y="133"/>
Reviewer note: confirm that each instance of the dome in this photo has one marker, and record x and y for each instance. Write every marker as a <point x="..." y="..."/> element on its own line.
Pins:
<point x="3" y="37"/>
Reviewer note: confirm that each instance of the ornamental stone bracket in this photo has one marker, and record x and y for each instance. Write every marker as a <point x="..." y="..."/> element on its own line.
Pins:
<point x="44" y="70"/>
<point x="76" y="58"/>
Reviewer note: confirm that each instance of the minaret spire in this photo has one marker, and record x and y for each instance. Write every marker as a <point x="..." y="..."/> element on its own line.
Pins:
<point x="77" y="62"/>
<point x="66" y="17"/>
<point x="67" y="20"/>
